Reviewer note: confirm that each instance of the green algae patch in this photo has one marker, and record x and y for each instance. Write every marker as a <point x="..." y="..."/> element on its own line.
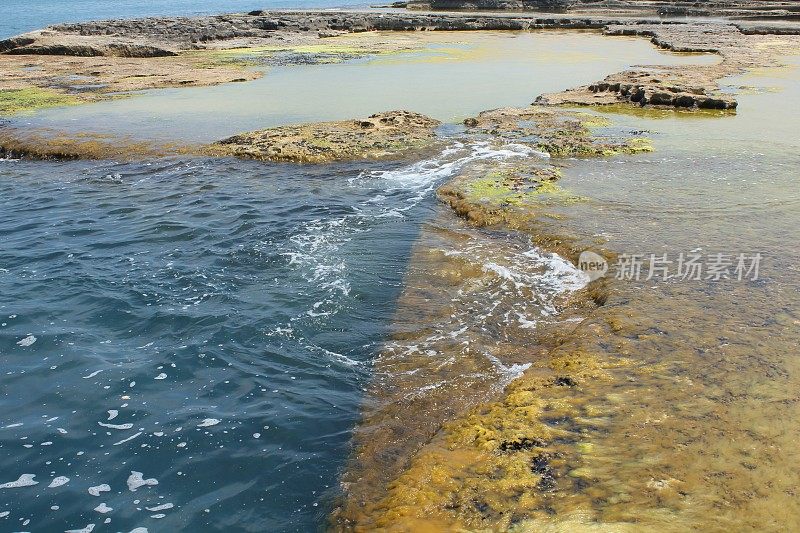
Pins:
<point x="46" y="144"/>
<point x="15" y="101"/>
<point x="324" y="53"/>
<point x="593" y="121"/>
<point x="639" y="145"/>
<point x="516" y="187"/>
<point x="234" y="58"/>
<point x="505" y="461"/>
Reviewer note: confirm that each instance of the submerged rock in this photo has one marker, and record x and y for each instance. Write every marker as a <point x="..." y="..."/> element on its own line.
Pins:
<point x="380" y="136"/>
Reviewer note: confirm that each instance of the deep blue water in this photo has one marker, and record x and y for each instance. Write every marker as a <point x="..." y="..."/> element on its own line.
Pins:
<point x="208" y="323"/>
<point x="19" y="16"/>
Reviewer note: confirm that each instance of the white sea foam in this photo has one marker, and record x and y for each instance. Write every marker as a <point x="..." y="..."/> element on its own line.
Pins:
<point x="96" y="490"/>
<point x="508" y="373"/>
<point x="58" y="481"/>
<point x="136" y="480"/>
<point x="103" y="508"/>
<point x="520" y="287"/>
<point x="315" y="250"/>
<point x="123" y="441"/>
<point x="25" y="480"/>
<point x="208" y="422"/>
<point x="116" y="426"/>
<point x="27" y="341"/>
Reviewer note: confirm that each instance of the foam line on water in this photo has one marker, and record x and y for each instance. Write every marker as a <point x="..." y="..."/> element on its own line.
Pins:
<point x="314" y="250"/>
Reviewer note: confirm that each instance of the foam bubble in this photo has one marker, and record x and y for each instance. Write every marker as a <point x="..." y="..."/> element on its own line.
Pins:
<point x="27" y="341"/>
<point x="58" y="481"/>
<point x="25" y="480"/>
<point x="116" y="426"/>
<point x="103" y="508"/>
<point x="136" y="480"/>
<point x="123" y="441"/>
<point x="96" y="490"/>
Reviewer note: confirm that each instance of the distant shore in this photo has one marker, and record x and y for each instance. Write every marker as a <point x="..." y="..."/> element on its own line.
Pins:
<point x="69" y="64"/>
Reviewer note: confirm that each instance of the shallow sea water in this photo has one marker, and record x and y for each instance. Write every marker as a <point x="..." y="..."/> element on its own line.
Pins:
<point x="449" y="76"/>
<point x="31" y="15"/>
<point x="211" y="324"/>
<point x="700" y="432"/>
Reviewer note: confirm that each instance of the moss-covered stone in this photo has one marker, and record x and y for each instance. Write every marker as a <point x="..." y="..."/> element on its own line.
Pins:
<point x="17" y="101"/>
<point x="380" y="136"/>
<point x="559" y="133"/>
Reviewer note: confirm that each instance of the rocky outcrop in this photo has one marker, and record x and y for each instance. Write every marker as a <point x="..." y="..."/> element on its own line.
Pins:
<point x="150" y="53"/>
<point x="553" y="132"/>
<point x="646" y="88"/>
<point x="144" y="36"/>
<point x="672" y="87"/>
<point x="381" y="136"/>
<point x="550" y="6"/>
<point x="79" y="50"/>
<point x="740" y="9"/>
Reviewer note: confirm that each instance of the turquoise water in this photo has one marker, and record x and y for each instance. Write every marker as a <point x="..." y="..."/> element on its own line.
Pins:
<point x="20" y="16"/>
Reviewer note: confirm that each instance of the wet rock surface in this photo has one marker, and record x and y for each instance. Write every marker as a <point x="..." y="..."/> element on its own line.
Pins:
<point x="677" y="87"/>
<point x="166" y="52"/>
<point x="128" y="55"/>
<point x="424" y="460"/>
<point x="554" y="132"/>
<point x="744" y="9"/>
<point x="380" y="136"/>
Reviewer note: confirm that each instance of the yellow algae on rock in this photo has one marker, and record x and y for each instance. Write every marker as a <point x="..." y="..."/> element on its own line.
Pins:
<point x="14" y="101"/>
<point x="380" y="136"/>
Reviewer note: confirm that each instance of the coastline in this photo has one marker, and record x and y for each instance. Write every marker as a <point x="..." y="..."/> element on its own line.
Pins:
<point x="480" y="446"/>
<point x="175" y="52"/>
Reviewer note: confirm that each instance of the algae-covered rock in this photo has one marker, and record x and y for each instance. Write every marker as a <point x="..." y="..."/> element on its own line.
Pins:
<point x="22" y="100"/>
<point x="668" y="88"/>
<point x="554" y="132"/>
<point x="512" y="193"/>
<point x="381" y="136"/>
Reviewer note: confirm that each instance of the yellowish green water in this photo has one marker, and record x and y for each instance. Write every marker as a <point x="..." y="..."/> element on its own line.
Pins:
<point x="668" y="406"/>
<point x="447" y="75"/>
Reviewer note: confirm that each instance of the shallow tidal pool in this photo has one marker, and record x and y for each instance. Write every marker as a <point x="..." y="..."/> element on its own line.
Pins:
<point x="447" y="75"/>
